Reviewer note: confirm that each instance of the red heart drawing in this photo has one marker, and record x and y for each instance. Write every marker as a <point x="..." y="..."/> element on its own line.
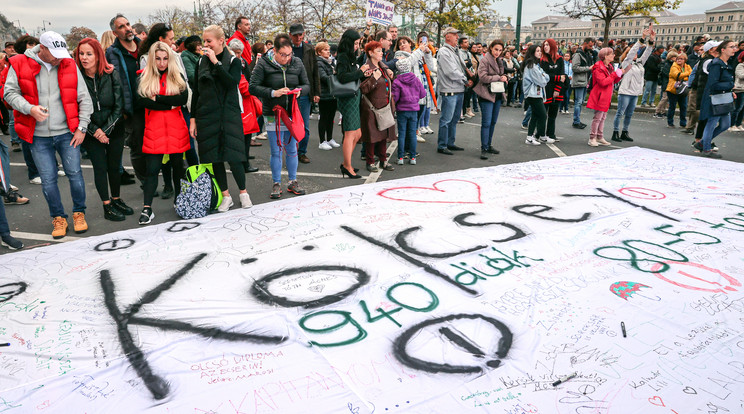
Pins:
<point x="445" y="191"/>
<point x="657" y="401"/>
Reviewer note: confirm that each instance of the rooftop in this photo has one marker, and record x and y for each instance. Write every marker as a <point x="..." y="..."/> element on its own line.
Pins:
<point x="732" y="5"/>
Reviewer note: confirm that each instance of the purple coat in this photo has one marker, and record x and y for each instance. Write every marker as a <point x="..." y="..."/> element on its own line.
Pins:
<point x="407" y="91"/>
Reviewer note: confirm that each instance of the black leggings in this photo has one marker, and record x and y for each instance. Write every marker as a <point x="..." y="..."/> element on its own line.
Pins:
<point x="537" y="121"/>
<point x="327" y="109"/>
<point x="106" y="159"/>
<point x="238" y="172"/>
<point x="154" y="162"/>
<point x="552" y="110"/>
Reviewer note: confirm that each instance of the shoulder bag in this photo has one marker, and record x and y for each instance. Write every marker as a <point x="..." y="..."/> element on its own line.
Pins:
<point x="681" y="87"/>
<point x="497" y="87"/>
<point x="384" y="115"/>
<point x="722" y="103"/>
<point x="342" y="90"/>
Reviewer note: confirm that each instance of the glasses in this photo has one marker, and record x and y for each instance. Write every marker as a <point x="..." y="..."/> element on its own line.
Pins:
<point x="285" y="55"/>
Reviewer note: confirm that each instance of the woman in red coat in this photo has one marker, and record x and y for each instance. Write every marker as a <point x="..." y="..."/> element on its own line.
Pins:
<point x="604" y="76"/>
<point x="162" y="91"/>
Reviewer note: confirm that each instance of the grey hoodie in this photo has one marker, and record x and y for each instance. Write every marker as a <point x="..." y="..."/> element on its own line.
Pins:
<point x="49" y="96"/>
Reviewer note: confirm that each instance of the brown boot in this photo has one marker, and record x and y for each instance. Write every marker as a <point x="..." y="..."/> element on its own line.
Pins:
<point x="59" y="224"/>
<point x="78" y="219"/>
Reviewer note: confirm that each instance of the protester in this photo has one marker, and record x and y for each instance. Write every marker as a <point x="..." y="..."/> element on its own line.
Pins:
<point x="554" y="94"/>
<point x="248" y="108"/>
<point x="651" y="76"/>
<point x="604" y="76"/>
<point x="327" y="104"/>
<point x="631" y="85"/>
<point x="568" y="70"/>
<point x="582" y="63"/>
<point x="278" y="75"/>
<point x="190" y="57"/>
<point x="738" y="114"/>
<point x="464" y="53"/>
<point x="427" y="72"/>
<point x="104" y="140"/>
<point x="490" y="71"/>
<point x="699" y="81"/>
<point x="720" y="80"/>
<point x="61" y="126"/>
<point x="306" y="53"/>
<point x="140" y="31"/>
<point x="242" y="28"/>
<point x="376" y="95"/>
<point x="452" y="82"/>
<point x="511" y="68"/>
<point x="5" y="238"/>
<point x="534" y="80"/>
<point x="419" y="61"/>
<point x="348" y="70"/>
<point x="215" y="115"/>
<point x="679" y="72"/>
<point x="408" y="91"/>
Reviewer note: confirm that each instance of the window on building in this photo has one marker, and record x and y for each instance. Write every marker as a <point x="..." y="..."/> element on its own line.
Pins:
<point x="675" y="30"/>
<point x="718" y="29"/>
<point x="623" y="24"/>
<point x="731" y="17"/>
<point x="720" y="18"/>
<point x="712" y="19"/>
<point x="688" y="30"/>
<point x="728" y="28"/>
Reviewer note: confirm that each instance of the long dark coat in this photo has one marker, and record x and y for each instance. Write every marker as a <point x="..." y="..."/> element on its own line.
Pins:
<point x="216" y="107"/>
<point x="377" y="92"/>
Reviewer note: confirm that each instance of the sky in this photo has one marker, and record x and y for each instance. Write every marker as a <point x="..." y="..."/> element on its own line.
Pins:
<point x="95" y="14"/>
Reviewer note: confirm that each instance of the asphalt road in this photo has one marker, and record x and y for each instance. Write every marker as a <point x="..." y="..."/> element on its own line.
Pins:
<point x="32" y="224"/>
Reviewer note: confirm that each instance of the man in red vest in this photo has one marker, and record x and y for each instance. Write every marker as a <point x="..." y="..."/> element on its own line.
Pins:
<point x="52" y="109"/>
<point x="242" y="28"/>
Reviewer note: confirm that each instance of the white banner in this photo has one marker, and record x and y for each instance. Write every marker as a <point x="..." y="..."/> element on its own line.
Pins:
<point x="605" y="283"/>
<point x="380" y="12"/>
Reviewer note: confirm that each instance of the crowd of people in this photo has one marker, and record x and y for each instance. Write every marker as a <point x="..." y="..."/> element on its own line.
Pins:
<point x="209" y="98"/>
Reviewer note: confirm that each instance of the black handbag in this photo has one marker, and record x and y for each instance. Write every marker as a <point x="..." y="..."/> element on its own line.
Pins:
<point x="342" y="90"/>
<point x="722" y="103"/>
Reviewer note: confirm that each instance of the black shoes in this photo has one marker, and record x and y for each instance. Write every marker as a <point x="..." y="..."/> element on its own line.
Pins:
<point x="616" y="136"/>
<point x="146" y="216"/>
<point x="625" y="137"/>
<point x="580" y="125"/>
<point x="167" y="193"/>
<point x="492" y="150"/>
<point x="444" y="151"/>
<point x="484" y="155"/>
<point x="110" y="212"/>
<point x="122" y="207"/>
<point x="11" y="242"/>
<point x="126" y="178"/>
<point x="345" y="172"/>
<point x="250" y="169"/>
<point x="454" y="148"/>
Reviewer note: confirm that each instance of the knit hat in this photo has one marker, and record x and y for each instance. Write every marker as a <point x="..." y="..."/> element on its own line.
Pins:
<point x="403" y="64"/>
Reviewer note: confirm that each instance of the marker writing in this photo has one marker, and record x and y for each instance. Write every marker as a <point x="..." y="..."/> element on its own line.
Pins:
<point x="564" y="379"/>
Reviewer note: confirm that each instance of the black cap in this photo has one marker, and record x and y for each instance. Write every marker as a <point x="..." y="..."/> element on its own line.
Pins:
<point x="9" y="44"/>
<point x="296" y="29"/>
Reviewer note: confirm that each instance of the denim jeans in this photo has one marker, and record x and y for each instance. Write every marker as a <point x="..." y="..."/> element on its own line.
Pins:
<point x="451" y="110"/>
<point x="738" y="114"/>
<point x="304" y="103"/>
<point x="407" y="125"/>
<point x="625" y="106"/>
<point x="423" y="119"/>
<point x="714" y="127"/>
<point x="649" y="93"/>
<point x="673" y="100"/>
<point x="490" y="114"/>
<point x="4" y="227"/>
<point x="579" y="94"/>
<point x="11" y="128"/>
<point x="289" y="145"/>
<point x="4" y="166"/>
<point x="527" y="116"/>
<point x="43" y="150"/>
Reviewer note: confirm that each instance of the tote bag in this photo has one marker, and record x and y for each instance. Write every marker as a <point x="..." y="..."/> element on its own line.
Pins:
<point x="722" y="103"/>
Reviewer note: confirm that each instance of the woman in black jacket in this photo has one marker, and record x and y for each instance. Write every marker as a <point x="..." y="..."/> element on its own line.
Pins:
<point x="552" y="65"/>
<point x="328" y="104"/>
<point x="216" y="120"/>
<point x="104" y="140"/>
<point x="348" y="70"/>
<point x="278" y="75"/>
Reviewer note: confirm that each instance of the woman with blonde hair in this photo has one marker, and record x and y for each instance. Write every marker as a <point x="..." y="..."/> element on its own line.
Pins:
<point x="107" y="39"/>
<point x="679" y="71"/>
<point x="162" y="91"/>
<point x="216" y="120"/>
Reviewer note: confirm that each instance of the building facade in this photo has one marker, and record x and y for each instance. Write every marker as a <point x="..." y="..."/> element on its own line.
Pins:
<point x="723" y="22"/>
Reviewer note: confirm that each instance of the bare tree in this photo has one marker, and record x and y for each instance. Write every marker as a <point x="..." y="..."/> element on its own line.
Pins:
<point x="78" y="33"/>
<point x="608" y="10"/>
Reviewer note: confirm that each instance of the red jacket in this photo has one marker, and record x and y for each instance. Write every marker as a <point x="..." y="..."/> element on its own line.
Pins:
<point x="26" y="70"/>
<point x="165" y="130"/>
<point x="247" y="52"/>
<point x="250" y="113"/>
<point x="602" y="81"/>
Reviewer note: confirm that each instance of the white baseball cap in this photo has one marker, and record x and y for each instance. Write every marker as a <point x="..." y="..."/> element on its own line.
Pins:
<point x="56" y="44"/>
<point x="710" y="45"/>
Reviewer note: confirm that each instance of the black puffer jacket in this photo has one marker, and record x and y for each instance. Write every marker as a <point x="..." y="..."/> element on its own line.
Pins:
<point x="215" y="106"/>
<point x="108" y="102"/>
<point x="268" y="76"/>
<point x="326" y="73"/>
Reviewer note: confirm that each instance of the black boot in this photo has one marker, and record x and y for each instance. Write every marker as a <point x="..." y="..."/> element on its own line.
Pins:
<point x="616" y="136"/>
<point x="122" y="207"/>
<point x="625" y="137"/>
<point x="247" y="164"/>
<point x="112" y="213"/>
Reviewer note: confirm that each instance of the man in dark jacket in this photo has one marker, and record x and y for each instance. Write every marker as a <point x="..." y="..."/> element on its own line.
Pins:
<point x="651" y="76"/>
<point x="581" y="63"/>
<point x="123" y="55"/>
<point x="306" y="52"/>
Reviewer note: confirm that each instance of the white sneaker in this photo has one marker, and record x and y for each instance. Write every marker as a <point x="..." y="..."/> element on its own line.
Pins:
<point x="547" y="140"/>
<point x="60" y="173"/>
<point x="245" y="200"/>
<point x="739" y="128"/>
<point x="733" y="129"/>
<point x="400" y="161"/>
<point x="333" y="143"/>
<point x="419" y="138"/>
<point x="262" y="135"/>
<point x="226" y="204"/>
<point x="531" y="141"/>
<point x="412" y="161"/>
<point x="36" y="180"/>
<point x="325" y="146"/>
<point x="13" y="188"/>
